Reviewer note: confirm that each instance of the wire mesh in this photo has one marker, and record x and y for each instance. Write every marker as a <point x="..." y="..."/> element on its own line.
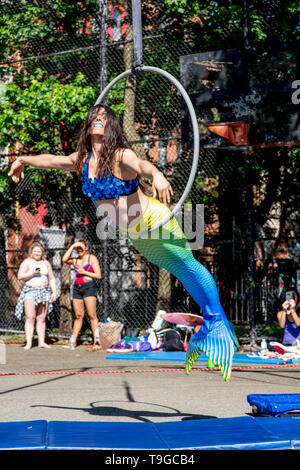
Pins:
<point x="52" y="47"/>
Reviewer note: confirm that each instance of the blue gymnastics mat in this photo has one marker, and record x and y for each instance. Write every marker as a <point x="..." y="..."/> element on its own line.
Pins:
<point x="241" y="433"/>
<point x="274" y="404"/>
<point x="23" y="435"/>
<point x="179" y="356"/>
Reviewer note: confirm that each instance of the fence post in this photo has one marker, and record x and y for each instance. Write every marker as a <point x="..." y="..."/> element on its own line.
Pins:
<point x="103" y="61"/>
<point x="250" y="247"/>
<point x="249" y="202"/>
<point x="103" y="83"/>
<point x="2" y="352"/>
<point x="3" y="278"/>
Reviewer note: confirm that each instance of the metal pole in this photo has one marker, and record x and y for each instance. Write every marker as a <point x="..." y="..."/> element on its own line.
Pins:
<point x="250" y="246"/>
<point x="249" y="201"/>
<point x="246" y="24"/>
<point x="137" y="34"/>
<point x="103" y="47"/>
<point x="103" y="84"/>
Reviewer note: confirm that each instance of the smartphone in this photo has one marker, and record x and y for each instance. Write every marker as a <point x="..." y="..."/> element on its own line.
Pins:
<point x="38" y="269"/>
<point x="290" y="296"/>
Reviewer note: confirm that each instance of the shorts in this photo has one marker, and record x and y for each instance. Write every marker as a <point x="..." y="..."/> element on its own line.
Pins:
<point x="32" y="292"/>
<point x="81" y="291"/>
<point x="29" y="295"/>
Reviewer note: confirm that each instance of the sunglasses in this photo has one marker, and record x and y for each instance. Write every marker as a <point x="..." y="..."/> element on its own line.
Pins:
<point x="102" y="116"/>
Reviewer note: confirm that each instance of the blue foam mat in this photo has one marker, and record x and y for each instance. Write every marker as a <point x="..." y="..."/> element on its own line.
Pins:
<point x="229" y="434"/>
<point x="104" y="436"/>
<point x="275" y="404"/>
<point x="241" y="433"/>
<point x="179" y="356"/>
<point x="23" y="435"/>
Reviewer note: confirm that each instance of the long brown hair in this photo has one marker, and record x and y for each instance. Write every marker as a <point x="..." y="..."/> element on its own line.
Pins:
<point x="112" y="141"/>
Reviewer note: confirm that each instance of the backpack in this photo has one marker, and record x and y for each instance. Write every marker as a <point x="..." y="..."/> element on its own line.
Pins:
<point x="173" y="341"/>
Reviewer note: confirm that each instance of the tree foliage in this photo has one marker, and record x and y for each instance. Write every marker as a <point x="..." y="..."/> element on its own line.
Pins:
<point x="47" y="100"/>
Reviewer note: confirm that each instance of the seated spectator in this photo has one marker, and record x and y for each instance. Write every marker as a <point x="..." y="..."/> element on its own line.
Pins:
<point x="289" y="317"/>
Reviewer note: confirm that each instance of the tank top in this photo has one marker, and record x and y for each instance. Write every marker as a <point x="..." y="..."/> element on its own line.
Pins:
<point x="106" y="187"/>
<point x="291" y="333"/>
<point x="42" y="277"/>
<point x="80" y="278"/>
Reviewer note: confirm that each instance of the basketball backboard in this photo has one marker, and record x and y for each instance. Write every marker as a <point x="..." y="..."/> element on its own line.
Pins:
<point x="259" y="89"/>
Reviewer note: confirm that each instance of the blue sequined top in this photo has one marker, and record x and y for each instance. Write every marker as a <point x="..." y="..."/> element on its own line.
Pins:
<point x="106" y="187"/>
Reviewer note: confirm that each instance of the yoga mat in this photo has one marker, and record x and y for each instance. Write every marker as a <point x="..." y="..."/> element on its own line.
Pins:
<point x="179" y="356"/>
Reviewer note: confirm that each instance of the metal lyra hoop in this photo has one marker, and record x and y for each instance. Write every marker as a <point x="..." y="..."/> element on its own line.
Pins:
<point x="190" y="107"/>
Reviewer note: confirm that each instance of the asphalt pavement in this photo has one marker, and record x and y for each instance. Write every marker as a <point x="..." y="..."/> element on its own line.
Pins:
<point x="63" y="385"/>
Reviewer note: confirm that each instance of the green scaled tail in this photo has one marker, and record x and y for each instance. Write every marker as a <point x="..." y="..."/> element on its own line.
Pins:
<point x="217" y="344"/>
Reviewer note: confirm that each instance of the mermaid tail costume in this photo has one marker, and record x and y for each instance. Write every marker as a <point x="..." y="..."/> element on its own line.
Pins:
<point x="168" y="248"/>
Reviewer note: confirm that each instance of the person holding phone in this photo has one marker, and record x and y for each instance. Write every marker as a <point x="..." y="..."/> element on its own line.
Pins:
<point x="87" y="270"/>
<point x="37" y="294"/>
<point x="289" y="318"/>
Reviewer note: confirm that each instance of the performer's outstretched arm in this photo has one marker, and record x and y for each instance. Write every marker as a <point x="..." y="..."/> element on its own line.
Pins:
<point x="42" y="161"/>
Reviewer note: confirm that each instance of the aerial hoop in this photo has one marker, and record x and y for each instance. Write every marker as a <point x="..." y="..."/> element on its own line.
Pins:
<point x="180" y="88"/>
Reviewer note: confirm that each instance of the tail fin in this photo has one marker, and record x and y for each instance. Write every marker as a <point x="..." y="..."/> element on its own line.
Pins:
<point x="217" y="344"/>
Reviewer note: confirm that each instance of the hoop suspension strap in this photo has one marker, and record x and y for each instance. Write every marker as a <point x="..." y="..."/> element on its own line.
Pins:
<point x="137" y="35"/>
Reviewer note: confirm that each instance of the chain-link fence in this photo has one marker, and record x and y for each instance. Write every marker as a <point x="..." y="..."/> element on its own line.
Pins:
<point x="81" y="54"/>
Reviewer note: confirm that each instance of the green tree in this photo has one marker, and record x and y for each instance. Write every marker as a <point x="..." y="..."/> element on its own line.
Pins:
<point x="45" y="117"/>
<point x="43" y="107"/>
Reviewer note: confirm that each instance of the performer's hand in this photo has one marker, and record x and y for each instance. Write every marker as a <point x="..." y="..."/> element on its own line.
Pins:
<point x="16" y="170"/>
<point x="162" y="188"/>
<point x="53" y="297"/>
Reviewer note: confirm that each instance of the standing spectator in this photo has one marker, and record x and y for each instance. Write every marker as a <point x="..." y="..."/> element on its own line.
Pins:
<point x="87" y="270"/>
<point x="36" y="298"/>
<point x="289" y="318"/>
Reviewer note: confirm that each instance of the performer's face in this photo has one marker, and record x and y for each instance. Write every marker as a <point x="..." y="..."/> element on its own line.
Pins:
<point x="99" y="123"/>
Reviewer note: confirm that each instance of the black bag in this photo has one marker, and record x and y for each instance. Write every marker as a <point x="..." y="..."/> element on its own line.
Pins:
<point x="173" y="341"/>
<point x="130" y="332"/>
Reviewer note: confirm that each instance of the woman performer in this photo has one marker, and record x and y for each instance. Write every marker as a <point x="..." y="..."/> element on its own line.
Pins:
<point x="110" y="173"/>
<point x="36" y="297"/>
<point x="87" y="269"/>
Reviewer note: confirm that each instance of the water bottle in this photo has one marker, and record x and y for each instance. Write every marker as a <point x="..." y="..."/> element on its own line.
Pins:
<point x="263" y="346"/>
<point x="158" y="320"/>
<point x="72" y="342"/>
